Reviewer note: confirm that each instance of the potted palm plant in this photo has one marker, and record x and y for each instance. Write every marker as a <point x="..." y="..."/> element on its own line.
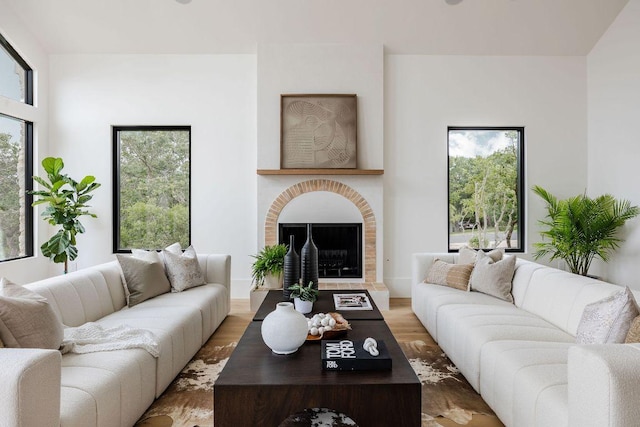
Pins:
<point x="580" y="228"/>
<point x="303" y="297"/>
<point x="266" y="270"/>
<point x="67" y="202"/>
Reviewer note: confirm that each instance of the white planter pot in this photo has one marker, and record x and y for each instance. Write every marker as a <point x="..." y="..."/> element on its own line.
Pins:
<point x="284" y="330"/>
<point x="303" y="307"/>
<point x="273" y="281"/>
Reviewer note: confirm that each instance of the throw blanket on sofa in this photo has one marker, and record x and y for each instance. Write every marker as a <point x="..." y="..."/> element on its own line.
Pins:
<point x="92" y="337"/>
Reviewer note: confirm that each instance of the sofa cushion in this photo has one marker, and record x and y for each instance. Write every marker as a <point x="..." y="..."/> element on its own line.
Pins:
<point x="608" y="320"/>
<point x="493" y="277"/>
<point x="144" y="277"/>
<point x="183" y="269"/>
<point x="467" y="255"/>
<point x="26" y="319"/>
<point x="452" y="275"/>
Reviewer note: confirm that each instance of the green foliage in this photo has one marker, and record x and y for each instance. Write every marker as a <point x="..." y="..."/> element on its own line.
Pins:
<point x="67" y="202"/>
<point x="580" y="228"/>
<point x="305" y="293"/>
<point x="10" y="195"/>
<point x="154" y="188"/>
<point x="270" y="260"/>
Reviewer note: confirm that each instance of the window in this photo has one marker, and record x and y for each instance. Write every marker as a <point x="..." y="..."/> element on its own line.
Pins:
<point x="16" y="142"/>
<point x="151" y="186"/>
<point x="486" y="178"/>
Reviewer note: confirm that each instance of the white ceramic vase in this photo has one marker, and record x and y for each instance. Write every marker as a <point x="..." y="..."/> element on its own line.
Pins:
<point x="303" y="307"/>
<point x="284" y="330"/>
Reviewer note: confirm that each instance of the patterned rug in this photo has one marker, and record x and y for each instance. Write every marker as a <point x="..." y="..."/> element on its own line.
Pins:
<point x="188" y="401"/>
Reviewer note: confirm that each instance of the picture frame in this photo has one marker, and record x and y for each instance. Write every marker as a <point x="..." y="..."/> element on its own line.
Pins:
<point x="318" y="131"/>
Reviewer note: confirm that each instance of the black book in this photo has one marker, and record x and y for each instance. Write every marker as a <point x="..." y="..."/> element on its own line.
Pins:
<point x="347" y="355"/>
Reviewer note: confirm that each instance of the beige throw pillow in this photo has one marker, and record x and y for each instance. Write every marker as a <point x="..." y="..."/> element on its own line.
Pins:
<point x="607" y="321"/>
<point x="144" y="276"/>
<point x="467" y="255"/>
<point x="452" y="275"/>
<point x="183" y="269"/>
<point x="633" y="336"/>
<point x="27" y="320"/>
<point x="493" y="277"/>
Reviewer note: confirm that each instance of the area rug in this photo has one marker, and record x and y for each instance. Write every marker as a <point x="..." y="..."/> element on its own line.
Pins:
<point x="188" y="401"/>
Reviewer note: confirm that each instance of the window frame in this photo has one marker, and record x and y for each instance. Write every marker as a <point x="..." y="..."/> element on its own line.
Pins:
<point x="116" y="177"/>
<point x="16" y="114"/>
<point x="520" y="174"/>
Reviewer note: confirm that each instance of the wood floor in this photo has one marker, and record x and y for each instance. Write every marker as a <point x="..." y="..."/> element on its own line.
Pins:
<point x="401" y="320"/>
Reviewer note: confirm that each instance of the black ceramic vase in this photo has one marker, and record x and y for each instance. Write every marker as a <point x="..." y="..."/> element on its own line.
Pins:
<point x="309" y="261"/>
<point x="291" y="269"/>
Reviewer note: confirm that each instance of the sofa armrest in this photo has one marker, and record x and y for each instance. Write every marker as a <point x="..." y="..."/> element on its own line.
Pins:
<point x="421" y="263"/>
<point x="217" y="269"/>
<point x="604" y="385"/>
<point x="30" y="392"/>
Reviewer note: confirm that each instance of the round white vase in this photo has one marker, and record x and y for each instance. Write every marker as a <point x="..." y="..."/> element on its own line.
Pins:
<point x="284" y="330"/>
<point x="303" y="307"/>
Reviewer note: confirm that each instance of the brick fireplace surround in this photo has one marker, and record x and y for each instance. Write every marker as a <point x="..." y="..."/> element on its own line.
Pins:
<point x="378" y="291"/>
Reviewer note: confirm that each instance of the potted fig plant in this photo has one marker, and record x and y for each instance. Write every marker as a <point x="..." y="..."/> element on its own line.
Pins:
<point x="266" y="270"/>
<point x="303" y="297"/>
<point x="67" y="201"/>
<point x="580" y="228"/>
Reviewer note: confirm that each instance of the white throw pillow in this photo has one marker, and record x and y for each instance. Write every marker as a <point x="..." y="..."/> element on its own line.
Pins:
<point x="183" y="269"/>
<point x="493" y="278"/>
<point x="607" y="321"/>
<point x="467" y="255"/>
<point x="27" y="320"/>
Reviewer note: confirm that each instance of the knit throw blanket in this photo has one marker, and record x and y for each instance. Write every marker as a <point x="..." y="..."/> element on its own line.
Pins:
<point x="92" y="337"/>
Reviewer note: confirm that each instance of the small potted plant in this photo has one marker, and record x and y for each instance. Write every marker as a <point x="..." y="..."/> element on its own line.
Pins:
<point x="303" y="297"/>
<point x="266" y="270"/>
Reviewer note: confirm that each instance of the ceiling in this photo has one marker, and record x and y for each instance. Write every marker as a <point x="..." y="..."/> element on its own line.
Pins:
<point x="470" y="27"/>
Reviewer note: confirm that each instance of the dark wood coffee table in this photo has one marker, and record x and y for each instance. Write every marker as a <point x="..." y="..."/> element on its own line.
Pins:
<point x="259" y="388"/>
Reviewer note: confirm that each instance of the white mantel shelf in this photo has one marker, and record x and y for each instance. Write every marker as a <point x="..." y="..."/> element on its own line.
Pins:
<point x="320" y="171"/>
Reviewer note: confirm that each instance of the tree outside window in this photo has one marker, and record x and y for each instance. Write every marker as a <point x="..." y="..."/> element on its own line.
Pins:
<point x="151" y="187"/>
<point x="486" y="209"/>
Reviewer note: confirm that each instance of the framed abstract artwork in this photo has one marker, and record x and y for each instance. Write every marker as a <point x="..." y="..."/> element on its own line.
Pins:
<point x="318" y="131"/>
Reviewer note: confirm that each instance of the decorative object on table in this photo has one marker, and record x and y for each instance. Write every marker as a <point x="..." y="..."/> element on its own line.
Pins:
<point x="329" y="326"/>
<point x="291" y="269"/>
<point x="67" y="199"/>
<point x="284" y="330"/>
<point x="353" y="301"/>
<point x="266" y="270"/>
<point x="303" y="297"/>
<point x="309" y="260"/>
<point x="371" y="345"/>
<point x="318" y="131"/>
<point x="347" y="355"/>
<point x="580" y="228"/>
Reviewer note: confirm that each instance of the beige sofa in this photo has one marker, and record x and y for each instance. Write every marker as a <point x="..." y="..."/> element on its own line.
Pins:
<point x="113" y="388"/>
<point x="522" y="357"/>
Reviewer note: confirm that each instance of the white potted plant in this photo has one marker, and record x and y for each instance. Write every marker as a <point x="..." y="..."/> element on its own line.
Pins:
<point x="303" y="297"/>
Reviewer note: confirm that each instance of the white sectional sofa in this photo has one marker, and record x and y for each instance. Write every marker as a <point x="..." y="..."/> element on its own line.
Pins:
<point x="112" y="388"/>
<point x="522" y="357"/>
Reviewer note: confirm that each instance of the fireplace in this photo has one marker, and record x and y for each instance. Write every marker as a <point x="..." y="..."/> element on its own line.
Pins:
<point x="339" y="246"/>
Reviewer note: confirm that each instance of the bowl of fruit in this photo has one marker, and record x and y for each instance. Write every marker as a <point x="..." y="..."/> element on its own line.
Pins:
<point x="326" y="326"/>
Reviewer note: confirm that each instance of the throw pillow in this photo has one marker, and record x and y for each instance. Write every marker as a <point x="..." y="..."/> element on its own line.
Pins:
<point x="27" y="319"/>
<point x="452" y="275"/>
<point x="183" y="269"/>
<point x="493" y="277"/>
<point x="608" y="320"/>
<point x="633" y="336"/>
<point x="144" y="277"/>
<point x="467" y="255"/>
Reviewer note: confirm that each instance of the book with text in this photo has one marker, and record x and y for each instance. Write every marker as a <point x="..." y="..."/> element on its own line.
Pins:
<point x="347" y="355"/>
<point x="353" y="301"/>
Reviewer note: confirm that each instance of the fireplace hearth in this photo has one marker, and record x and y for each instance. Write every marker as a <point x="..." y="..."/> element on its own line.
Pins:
<point x="339" y="246"/>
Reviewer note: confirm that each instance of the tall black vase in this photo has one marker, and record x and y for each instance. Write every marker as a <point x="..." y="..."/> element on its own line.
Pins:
<point x="309" y="261"/>
<point x="291" y="269"/>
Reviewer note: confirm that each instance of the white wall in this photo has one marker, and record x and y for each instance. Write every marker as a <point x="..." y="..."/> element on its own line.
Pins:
<point x="614" y="149"/>
<point x="13" y="29"/>
<point x="425" y="94"/>
<point x="214" y="94"/>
